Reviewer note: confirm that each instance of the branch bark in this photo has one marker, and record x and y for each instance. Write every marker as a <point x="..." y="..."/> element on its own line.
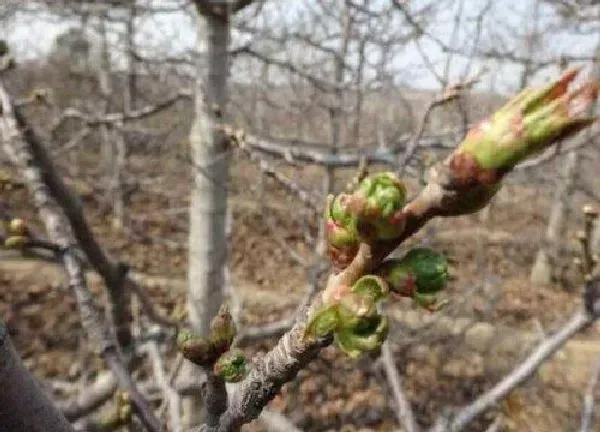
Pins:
<point x="24" y="407"/>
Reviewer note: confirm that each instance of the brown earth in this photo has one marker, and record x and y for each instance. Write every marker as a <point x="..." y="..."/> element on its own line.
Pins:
<point x="491" y="262"/>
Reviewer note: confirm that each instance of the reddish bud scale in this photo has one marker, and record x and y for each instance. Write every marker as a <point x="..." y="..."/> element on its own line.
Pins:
<point x="467" y="172"/>
<point x="529" y="123"/>
<point x="341" y="257"/>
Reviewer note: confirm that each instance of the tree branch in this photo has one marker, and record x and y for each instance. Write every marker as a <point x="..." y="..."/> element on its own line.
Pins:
<point x="587" y="413"/>
<point x="544" y="350"/>
<point x="24" y="407"/>
<point x="404" y="411"/>
<point x="24" y="150"/>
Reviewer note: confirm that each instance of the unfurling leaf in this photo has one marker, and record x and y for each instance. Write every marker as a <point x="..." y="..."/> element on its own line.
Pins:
<point x="323" y="322"/>
<point x="356" y="343"/>
<point x="527" y="124"/>
<point x="351" y="315"/>
<point x="231" y="366"/>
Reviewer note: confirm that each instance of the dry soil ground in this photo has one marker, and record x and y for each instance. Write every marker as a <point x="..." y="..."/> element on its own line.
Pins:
<point x="442" y="366"/>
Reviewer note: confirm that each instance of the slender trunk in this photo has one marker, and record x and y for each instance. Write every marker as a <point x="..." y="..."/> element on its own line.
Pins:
<point x="129" y="98"/>
<point x="208" y="204"/>
<point x="119" y="164"/>
<point x="335" y="114"/>
<point x="546" y="259"/>
<point x="261" y="124"/>
<point x="531" y="44"/>
<point x="356" y="128"/>
<point x="119" y="310"/>
<point x="103" y="77"/>
<point x="547" y="256"/>
<point x="24" y="407"/>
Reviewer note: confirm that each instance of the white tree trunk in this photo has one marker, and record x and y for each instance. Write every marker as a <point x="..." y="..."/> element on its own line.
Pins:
<point x="208" y="204"/>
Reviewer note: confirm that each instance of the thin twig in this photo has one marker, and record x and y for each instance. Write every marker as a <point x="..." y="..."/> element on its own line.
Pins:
<point x="239" y="139"/>
<point x="544" y="350"/>
<point x="587" y="413"/>
<point x="120" y="117"/>
<point x="91" y="397"/>
<point x="404" y="411"/>
<point x="418" y="134"/>
<point x="171" y="397"/>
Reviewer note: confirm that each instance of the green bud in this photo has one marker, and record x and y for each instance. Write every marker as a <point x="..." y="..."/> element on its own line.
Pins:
<point x="15" y="242"/>
<point x="377" y="203"/>
<point x="420" y="274"/>
<point x="529" y="123"/>
<point x="342" y="236"/>
<point x="195" y="348"/>
<point x="231" y="366"/>
<point x="342" y="244"/>
<point x="373" y="211"/>
<point x="222" y="330"/>
<point x="351" y="314"/>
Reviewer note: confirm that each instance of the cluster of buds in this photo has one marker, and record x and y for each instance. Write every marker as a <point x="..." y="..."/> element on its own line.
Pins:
<point x="213" y="351"/>
<point x="527" y="124"/>
<point x="17" y="234"/>
<point x="420" y="274"/>
<point x="352" y="315"/>
<point x="373" y="212"/>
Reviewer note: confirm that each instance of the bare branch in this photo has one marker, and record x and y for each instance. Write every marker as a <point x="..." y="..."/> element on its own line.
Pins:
<point x="121" y="117"/>
<point x="404" y="411"/>
<point x="91" y="398"/>
<point x="171" y="397"/>
<point x="239" y="139"/>
<point x="544" y="350"/>
<point x="587" y="413"/>
<point x="24" y="151"/>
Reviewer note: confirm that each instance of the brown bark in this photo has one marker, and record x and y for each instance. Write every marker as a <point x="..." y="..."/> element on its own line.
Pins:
<point x="24" y="407"/>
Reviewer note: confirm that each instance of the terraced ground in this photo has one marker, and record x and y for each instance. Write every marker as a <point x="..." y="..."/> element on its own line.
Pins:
<point x="446" y="358"/>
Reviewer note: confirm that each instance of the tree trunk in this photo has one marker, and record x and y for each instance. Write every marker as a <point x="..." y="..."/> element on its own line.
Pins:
<point x="104" y="85"/>
<point x="208" y="204"/>
<point x="545" y="263"/>
<point x="24" y="407"/>
<point x="335" y="116"/>
<point x="546" y="259"/>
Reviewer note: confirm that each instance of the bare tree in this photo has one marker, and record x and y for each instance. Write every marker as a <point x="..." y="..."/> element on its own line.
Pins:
<point x="347" y="67"/>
